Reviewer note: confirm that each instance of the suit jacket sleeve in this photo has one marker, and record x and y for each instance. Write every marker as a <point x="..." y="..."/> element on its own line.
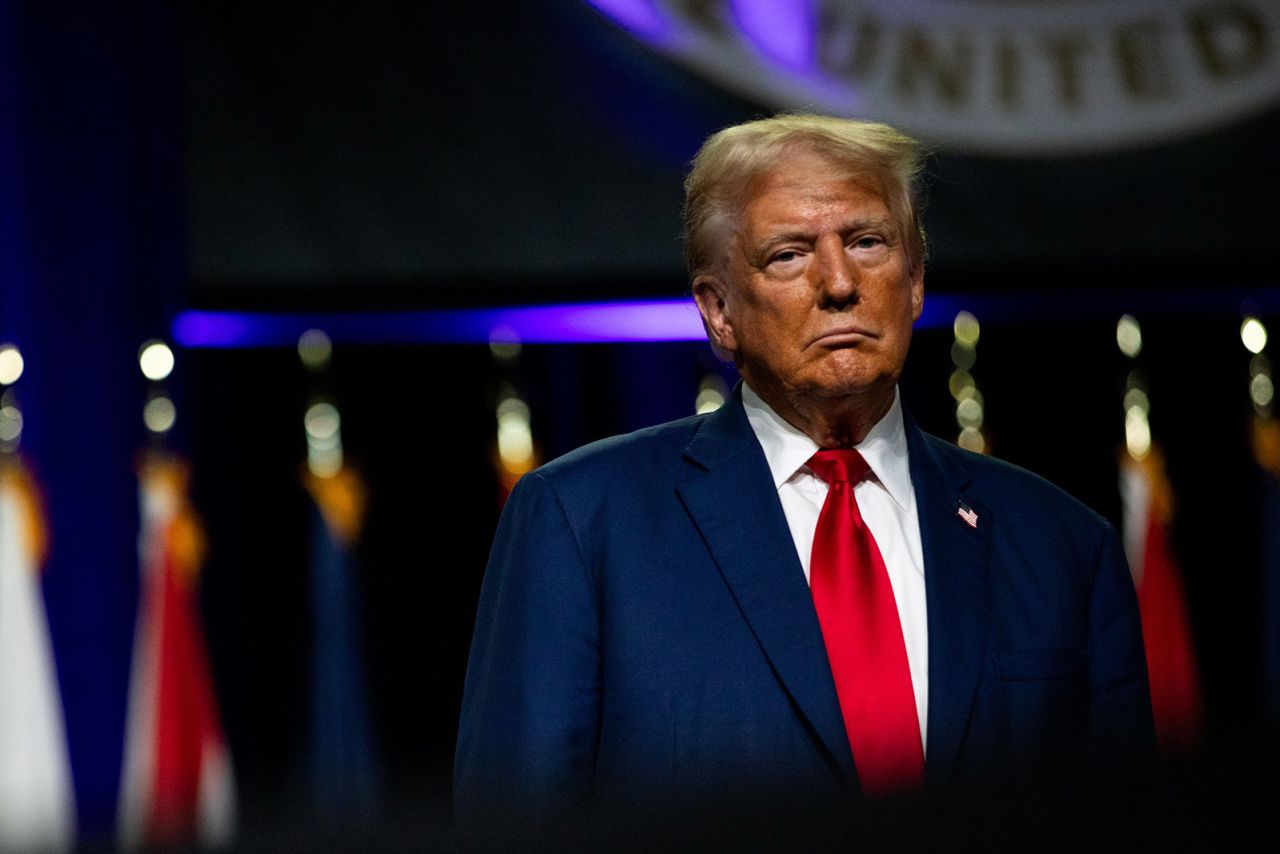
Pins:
<point x="1120" y="728"/>
<point x="531" y="705"/>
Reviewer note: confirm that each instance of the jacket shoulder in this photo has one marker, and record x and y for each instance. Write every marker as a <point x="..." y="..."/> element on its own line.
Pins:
<point x="638" y="454"/>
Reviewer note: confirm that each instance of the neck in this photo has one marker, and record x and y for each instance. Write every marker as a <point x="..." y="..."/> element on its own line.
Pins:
<point x="831" y="422"/>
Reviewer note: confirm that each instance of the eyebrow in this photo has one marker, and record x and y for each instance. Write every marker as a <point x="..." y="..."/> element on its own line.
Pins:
<point x="788" y="234"/>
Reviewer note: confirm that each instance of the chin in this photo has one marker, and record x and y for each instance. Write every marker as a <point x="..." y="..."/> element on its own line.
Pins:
<point x="852" y="386"/>
<point x="838" y="378"/>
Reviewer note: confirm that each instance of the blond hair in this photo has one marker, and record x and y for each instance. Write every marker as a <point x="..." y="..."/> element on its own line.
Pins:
<point x="731" y="160"/>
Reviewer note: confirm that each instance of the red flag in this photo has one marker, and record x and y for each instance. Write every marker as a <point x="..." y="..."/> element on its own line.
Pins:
<point x="1166" y="626"/>
<point x="177" y="785"/>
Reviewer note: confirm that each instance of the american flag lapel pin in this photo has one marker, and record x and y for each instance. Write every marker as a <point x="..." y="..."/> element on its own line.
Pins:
<point x="967" y="514"/>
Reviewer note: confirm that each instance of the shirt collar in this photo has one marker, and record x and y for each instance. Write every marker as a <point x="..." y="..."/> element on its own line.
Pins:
<point x="787" y="449"/>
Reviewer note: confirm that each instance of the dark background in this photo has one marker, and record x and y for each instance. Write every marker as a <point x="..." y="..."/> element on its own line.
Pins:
<point x="300" y="157"/>
<point x="431" y="152"/>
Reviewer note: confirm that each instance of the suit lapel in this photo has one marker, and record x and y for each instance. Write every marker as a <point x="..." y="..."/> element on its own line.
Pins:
<point x="957" y="593"/>
<point x="732" y="502"/>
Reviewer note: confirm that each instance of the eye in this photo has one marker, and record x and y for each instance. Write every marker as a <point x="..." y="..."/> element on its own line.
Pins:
<point x="868" y="241"/>
<point x="785" y="258"/>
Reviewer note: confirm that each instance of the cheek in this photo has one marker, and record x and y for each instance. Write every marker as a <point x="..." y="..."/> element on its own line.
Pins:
<point x="900" y="306"/>
<point x="772" y="343"/>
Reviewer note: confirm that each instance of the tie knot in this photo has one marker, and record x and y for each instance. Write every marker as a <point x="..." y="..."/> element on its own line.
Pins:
<point x="839" y="465"/>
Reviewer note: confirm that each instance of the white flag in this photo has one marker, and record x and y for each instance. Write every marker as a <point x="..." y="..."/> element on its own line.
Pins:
<point x="37" y="804"/>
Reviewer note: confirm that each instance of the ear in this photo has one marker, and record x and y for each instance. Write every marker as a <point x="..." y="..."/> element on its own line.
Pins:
<point x="917" y="292"/>
<point x="710" y="293"/>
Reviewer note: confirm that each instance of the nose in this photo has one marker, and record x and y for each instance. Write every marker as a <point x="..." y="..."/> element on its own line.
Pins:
<point x="836" y="276"/>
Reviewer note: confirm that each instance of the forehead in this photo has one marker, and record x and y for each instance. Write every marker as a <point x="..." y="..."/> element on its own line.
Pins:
<point x="807" y="187"/>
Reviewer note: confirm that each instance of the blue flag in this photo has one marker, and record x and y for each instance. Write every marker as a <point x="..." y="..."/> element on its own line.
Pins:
<point x="344" y="770"/>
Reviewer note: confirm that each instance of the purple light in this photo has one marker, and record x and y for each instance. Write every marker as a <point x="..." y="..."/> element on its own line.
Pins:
<point x="653" y="320"/>
<point x="781" y="29"/>
<point x="638" y="16"/>
<point x="578" y="323"/>
<point x="213" y="328"/>
<point x="667" y="320"/>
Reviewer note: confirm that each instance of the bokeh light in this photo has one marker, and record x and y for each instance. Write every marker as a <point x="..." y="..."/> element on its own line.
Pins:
<point x="969" y="413"/>
<point x="1262" y="390"/>
<point x="966" y="328"/>
<point x="323" y="425"/>
<point x="315" y="349"/>
<point x="159" y="414"/>
<point x="504" y="343"/>
<point x="1253" y="335"/>
<point x="963" y="356"/>
<point x="1137" y="433"/>
<point x="324" y="462"/>
<point x="10" y="424"/>
<point x="960" y="383"/>
<point x="515" y="437"/>
<point x="1136" y="397"/>
<point x="1129" y="336"/>
<point x="11" y="364"/>
<point x="971" y="439"/>
<point x="711" y="394"/>
<point x="322" y="422"/>
<point x="156" y="360"/>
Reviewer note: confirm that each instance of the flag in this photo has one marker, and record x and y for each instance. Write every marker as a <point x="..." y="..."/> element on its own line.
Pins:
<point x="177" y="786"/>
<point x="344" y="779"/>
<point x="37" y="804"/>
<point x="1166" y="626"/>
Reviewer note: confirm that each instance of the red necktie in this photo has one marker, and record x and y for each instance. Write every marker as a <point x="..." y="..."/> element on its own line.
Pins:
<point x="860" y="626"/>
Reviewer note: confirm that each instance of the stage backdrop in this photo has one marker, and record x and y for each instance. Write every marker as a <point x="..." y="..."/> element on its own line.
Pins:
<point x="405" y="152"/>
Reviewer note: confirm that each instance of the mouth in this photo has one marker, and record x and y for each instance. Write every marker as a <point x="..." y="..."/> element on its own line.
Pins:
<point x="843" y="336"/>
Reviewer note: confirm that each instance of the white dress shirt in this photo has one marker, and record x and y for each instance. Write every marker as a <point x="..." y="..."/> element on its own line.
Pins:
<point x="886" y="500"/>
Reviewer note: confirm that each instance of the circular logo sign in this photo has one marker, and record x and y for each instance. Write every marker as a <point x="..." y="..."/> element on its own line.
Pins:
<point x="1012" y="77"/>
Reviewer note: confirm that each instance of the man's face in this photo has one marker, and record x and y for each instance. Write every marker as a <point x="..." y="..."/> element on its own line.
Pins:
<point x="817" y="296"/>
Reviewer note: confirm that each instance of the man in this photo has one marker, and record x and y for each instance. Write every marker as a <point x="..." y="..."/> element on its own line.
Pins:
<point x="800" y="596"/>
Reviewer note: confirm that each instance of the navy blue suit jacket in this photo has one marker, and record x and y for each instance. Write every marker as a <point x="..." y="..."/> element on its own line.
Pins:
<point x="645" y="629"/>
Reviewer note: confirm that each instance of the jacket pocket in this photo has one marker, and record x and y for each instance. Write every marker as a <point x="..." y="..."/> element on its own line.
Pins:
<point x="1035" y="665"/>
